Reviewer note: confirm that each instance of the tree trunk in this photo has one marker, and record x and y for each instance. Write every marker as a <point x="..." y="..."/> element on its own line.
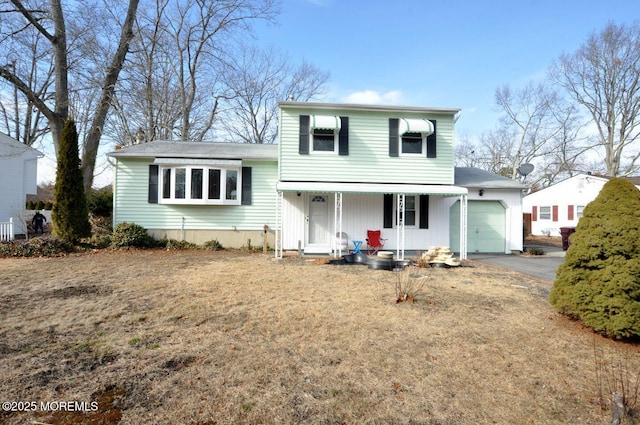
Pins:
<point x="59" y="43"/>
<point x="92" y="141"/>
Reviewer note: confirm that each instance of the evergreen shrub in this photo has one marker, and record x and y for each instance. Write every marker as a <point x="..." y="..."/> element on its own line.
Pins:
<point x="69" y="215"/>
<point x="131" y="235"/>
<point x="599" y="281"/>
<point x="100" y="202"/>
<point x="213" y="245"/>
<point x="175" y="245"/>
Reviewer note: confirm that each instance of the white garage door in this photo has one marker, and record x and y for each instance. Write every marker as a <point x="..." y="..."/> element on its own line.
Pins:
<point x="486" y="226"/>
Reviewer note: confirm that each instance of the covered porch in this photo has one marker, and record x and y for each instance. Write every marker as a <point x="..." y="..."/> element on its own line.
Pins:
<point x="309" y="215"/>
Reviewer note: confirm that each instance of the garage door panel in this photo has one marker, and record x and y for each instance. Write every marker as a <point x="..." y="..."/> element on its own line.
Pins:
<point x="486" y="226"/>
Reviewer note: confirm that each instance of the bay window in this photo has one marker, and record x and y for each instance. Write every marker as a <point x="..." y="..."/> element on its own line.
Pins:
<point x="188" y="184"/>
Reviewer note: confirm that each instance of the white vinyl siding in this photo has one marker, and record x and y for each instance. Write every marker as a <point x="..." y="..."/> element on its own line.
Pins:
<point x="368" y="159"/>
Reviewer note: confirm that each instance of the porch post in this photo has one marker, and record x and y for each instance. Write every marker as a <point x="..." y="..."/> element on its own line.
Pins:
<point x="400" y="227"/>
<point x="463" y="227"/>
<point x="337" y="231"/>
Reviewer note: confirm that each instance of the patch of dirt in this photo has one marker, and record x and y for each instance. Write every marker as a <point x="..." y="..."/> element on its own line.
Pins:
<point x="200" y="337"/>
<point x="544" y="240"/>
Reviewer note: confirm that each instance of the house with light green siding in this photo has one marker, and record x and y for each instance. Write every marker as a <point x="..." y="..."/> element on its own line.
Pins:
<point x="345" y="169"/>
<point x="338" y="171"/>
<point x="198" y="191"/>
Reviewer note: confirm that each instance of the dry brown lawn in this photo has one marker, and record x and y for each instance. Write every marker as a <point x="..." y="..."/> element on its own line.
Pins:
<point x="195" y="337"/>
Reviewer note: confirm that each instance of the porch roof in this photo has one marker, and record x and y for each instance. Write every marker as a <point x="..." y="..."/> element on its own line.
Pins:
<point x="415" y="189"/>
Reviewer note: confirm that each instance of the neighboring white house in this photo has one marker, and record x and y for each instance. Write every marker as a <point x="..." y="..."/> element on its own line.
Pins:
<point x="338" y="168"/>
<point x="562" y="204"/>
<point x="18" y="177"/>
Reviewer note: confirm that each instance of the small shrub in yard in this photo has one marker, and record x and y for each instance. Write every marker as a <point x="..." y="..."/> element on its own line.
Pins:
<point x="535" y="251"/>
<point x="213" y="245"/>
<point x="409" y="283"/>
<point x="173" y="244"/>
<point x="131" y="235"/>
<point x="599" y="281"/>
<point x="618" y="384"/>
<point x="35" y="247"/>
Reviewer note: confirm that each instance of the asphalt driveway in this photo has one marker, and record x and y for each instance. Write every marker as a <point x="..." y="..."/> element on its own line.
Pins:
<point x="539" y="266"/>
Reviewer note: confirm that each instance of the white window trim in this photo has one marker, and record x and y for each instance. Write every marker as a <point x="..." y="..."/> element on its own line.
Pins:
<point x="335" y="143"/>
<point x="187" y="200"/>
<point x="579" y="212"/>
<point x="423" y="146"/>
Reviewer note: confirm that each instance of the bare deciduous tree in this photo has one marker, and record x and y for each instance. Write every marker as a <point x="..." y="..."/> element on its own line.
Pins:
<point x="603" y="77"/>
<point x="48" y="22"/>
<point x="173" y="88"/>
<point x="535" y="115"/>
<point x="256" y="81"/>
<point x="20" y="119"/>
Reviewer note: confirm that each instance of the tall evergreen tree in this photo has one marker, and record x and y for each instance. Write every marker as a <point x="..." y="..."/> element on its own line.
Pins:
<point x="69" y="215"/>
<point x="599" y="281"/>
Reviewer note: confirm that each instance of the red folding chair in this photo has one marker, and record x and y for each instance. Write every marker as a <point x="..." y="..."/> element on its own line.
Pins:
<point x="374" y="242"/>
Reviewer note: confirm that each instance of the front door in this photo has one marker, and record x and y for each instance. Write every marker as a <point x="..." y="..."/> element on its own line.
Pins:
<point x="318" y="231"/>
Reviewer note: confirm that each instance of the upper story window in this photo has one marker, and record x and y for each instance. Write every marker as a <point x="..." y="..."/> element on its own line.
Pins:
<point x="324" y="134"/>
<point x="413" y="144"/>
<point x="324" y="140"/>
<point x="413" y="133"/>
<point x="412" y="137"/>
<point x="199" y="185"/>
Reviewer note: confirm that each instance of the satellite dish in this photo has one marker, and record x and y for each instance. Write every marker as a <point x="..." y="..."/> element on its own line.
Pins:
<point x="525" y="169"/>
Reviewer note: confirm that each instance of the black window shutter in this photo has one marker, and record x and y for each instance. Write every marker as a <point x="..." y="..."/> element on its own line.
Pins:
<point x="388" y="211"/>
<point x="246" y="186"/>
<point x="153" y="184"/>
<point x="343" y="136"/>
<point x="394" y="137"/>
<point x="424" y="211"/>
<point x="303" y="147"/>
<point x="431" y="142"/>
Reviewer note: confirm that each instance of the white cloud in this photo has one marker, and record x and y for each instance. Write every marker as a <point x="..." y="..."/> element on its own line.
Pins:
<point x="372" y="97"/>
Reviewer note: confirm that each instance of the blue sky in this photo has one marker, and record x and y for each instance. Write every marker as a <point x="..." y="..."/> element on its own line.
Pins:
<point x="452" y="53"/>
